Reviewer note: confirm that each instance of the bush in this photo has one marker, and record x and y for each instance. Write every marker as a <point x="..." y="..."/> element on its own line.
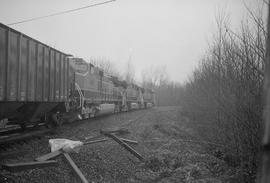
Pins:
<point x="225" y="93"/>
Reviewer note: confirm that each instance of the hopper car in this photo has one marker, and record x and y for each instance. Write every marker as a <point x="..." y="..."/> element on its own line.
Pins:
<point x="39" y="83"/>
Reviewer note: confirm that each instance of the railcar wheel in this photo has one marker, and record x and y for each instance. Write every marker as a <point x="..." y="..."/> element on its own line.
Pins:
<point x="117" y="109"/>
<point x="23" y="126"/>
<point x="57" y="119"/>
<point x="85" y="116"/>
<point x="94" y="113"/>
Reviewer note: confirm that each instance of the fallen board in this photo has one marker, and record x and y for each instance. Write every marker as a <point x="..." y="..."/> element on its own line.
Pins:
<point x="103" y="140"/>
<point x="120" y="131"/>
<point x="54" y="154"/>
<point x="129" y="141"/>
<point x="123" y="144"/>
<point x="16" y="167"/>
<point x="94" y="141"/>
<point x="75" y="168"/>
<point x="48" y="156"/>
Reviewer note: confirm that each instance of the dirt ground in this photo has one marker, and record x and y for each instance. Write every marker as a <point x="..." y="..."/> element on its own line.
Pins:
<point x="172" y="152"/>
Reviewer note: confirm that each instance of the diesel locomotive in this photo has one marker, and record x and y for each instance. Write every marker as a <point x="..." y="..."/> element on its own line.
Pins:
<point x="39" y="83"/>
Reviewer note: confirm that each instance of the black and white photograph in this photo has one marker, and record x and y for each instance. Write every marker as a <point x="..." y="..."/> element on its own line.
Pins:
<point x="135" y="91"/>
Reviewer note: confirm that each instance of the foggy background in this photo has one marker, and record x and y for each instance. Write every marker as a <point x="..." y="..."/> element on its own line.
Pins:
<point x="170" y="33"/>
<point x="205" y="59"/>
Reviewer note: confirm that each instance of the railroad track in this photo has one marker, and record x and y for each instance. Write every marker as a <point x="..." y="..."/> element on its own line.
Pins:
<point x="125" y="124"/>
<point x="13" y="138"/>
<point x="14" y="134"/>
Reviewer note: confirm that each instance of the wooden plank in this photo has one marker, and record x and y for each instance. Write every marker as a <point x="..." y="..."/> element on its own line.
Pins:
<point x="126" y="146"/>
<point x="103" y="140"/>
<point x="129" y="141"/>
<point x="95" y="141"/>
<point x="15" y="167"/>
<point x="48" y="156"/>
<point x="119" y="131"/>
<point x="75" y="168"/>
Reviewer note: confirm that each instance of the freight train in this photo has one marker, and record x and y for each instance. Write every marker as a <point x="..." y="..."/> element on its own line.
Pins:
<point x="40" y="83"/>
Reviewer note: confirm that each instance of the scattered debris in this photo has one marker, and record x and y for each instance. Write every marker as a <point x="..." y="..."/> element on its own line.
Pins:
<point x="126" y="146"/>
<point x="167" y="156"/>
<point x="94" y="141"/>
<point x="16" y="167"/>
<point x="75" y="168"/>
<point x="118" y="131"/>
<point x="65" y="146"/>
<point x="129" y="141"/>
<point x="103" y="140"/>
<point x="49" y="156"/>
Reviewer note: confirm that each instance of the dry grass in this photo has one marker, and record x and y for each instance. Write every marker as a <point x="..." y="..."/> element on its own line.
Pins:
<point x="167" y="159"/>
<point x="224" y="99"/>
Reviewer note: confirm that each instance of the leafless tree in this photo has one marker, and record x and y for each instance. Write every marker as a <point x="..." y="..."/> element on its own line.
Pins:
<point x="129" y="74"/>
<point x="167" y="92"/>
<point x="225" y="92"/>
<point x="154" y="76"/>
<point x="106" y="65"/>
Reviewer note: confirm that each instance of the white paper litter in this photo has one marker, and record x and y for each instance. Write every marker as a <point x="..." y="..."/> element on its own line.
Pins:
<point x="69" y="146"/>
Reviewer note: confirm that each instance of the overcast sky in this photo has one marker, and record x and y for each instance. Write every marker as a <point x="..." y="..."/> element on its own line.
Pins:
<point x="173" y="33"/>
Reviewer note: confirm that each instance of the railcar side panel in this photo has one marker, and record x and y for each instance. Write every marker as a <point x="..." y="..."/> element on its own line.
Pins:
<point x="39" y="73"/>
<point x="13" y="68"/>
<point x="65" y="86"/>
<point x="31" y="71"/>
<point x="46" y="71"/>
<point x="3" y="58"/>
<point x="52" y="75"/>
<point x="24" y="70"/>
<point x="57" y="76"/>
<point x="61" y="79"/>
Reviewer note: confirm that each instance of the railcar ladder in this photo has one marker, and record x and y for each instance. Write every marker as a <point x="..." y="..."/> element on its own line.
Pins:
<point x="81" y="95"/>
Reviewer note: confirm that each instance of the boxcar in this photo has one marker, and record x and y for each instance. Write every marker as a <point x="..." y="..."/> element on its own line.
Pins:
<point x="34" y="78"/>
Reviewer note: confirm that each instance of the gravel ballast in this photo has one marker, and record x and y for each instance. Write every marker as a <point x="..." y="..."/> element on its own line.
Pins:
<point x="160" y="132"/>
